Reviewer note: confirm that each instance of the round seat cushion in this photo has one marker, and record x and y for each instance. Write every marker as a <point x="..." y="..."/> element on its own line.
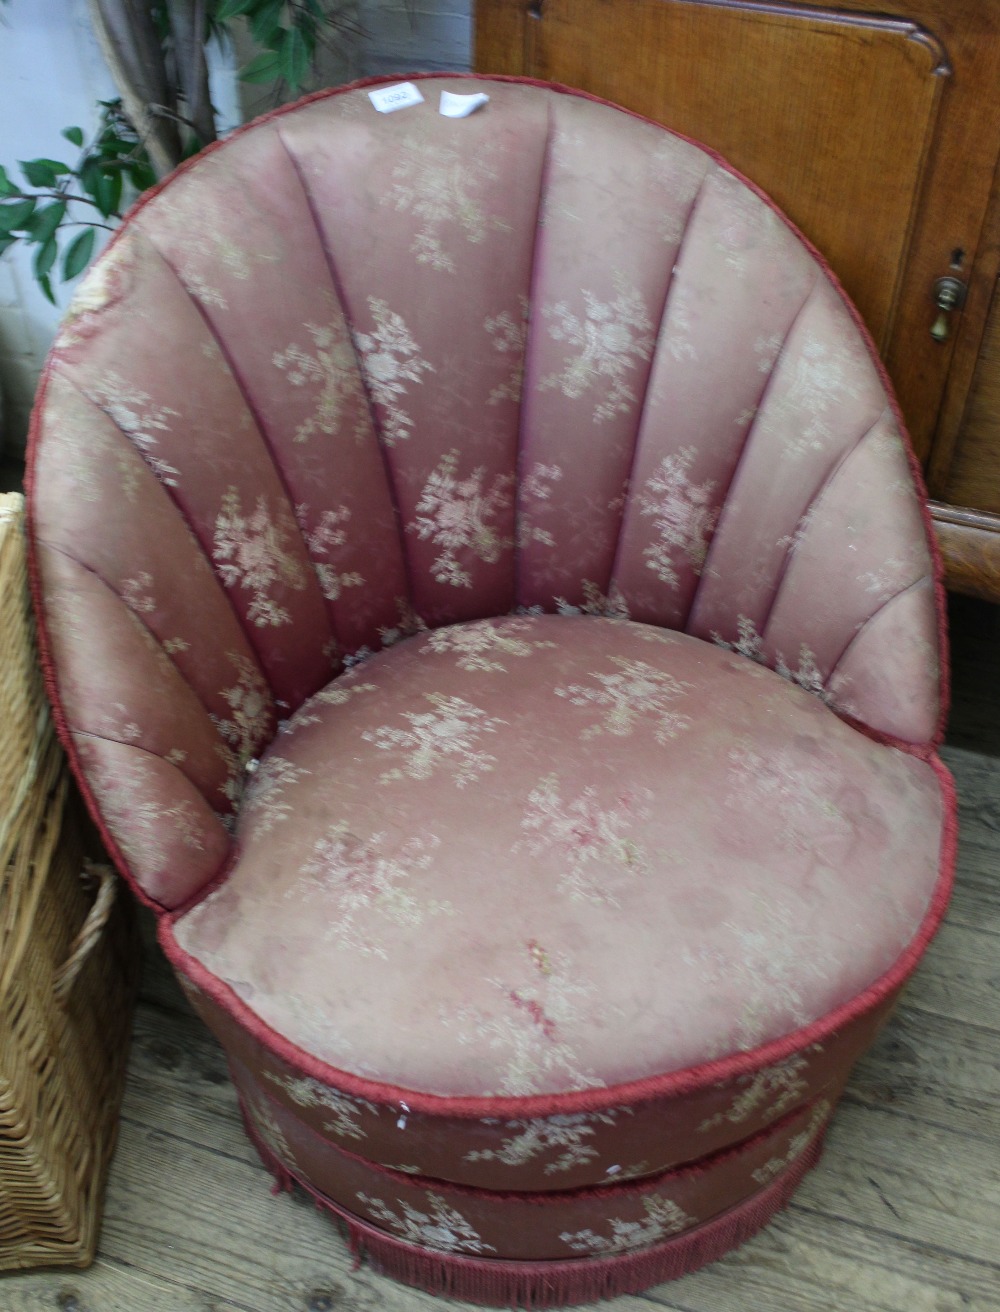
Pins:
<point x="542" y="854"/>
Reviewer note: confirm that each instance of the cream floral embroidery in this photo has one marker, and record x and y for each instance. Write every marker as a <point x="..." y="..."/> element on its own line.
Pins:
<point x="144" y="829"/>
<point x="249" y="699"/>
<point x="330" y="370"/>
<point x="264" y="802"/>
<point x="266" y="1124"/>
<point x="780" y="1087"/>
<point x="526" y="1033"/>
<point x="133" y="411"/>
<point x="764" y="971"/>
<point x="750" y="643"/>
<point x="439" y="739"/>
<point x="638" y="692"/>
<point x="678" y="331"/>
<point x="442" y="1229"/>
<point x="137" y="593"/>
<point x="535" y="497"/>
<point x="663" y="1218"/>
<point x="612" y="338"/>
<point x="816" y="383"/>
<point x="682" y="516"/>
<point x="251" y="551"/>
<point x="610" y="607"/>
<point x="441" y="188"/>
<point x="797" y="1145"/>
<point x="329" y="534"/>
<point x="479" y="645"/>
<point x="458" y="515"/>
<point x="390" y="359"/>
<point x="345" y="1111"/>
<point x="794" y="791"/>
<point x="510" y="337"/>
<point x="362" y="880"/>
<point x="536" y="1138"/>
<point x="598" y="859"/>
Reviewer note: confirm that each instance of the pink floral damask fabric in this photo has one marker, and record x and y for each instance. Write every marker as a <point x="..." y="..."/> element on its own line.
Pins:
<point x="353" y="374"/>
<point x="489" y="608"/>
<point x="541" y="854"/>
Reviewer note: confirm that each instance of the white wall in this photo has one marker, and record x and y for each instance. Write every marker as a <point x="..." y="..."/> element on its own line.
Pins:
<point x="52" y="75"/>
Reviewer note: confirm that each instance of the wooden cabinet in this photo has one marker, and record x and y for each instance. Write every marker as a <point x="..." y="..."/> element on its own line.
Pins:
<point x="879" y="134"/>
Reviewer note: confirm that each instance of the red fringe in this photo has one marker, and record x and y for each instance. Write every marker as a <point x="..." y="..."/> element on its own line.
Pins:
<point x="499" y="1283"/>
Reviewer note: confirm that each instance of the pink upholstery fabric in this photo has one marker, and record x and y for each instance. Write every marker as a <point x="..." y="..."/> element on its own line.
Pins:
<point x="535" y="855"/>
<point x="487" y="601"/>
<point x="353" y="374"/>
<point x="589" y="1223"/>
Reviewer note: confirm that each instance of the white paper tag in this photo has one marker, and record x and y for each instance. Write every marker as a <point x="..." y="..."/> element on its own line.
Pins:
<point x="399" y="96"/>
<point x="453" y="106"/>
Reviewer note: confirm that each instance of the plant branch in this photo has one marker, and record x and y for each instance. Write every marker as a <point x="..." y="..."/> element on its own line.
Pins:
<point x="128" y="41"/>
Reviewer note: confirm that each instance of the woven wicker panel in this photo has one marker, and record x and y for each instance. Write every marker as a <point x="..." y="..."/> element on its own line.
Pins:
<point x="68" y="965"/>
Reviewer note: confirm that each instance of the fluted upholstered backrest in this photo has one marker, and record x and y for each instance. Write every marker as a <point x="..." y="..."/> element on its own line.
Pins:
<point x="355" y="373"/>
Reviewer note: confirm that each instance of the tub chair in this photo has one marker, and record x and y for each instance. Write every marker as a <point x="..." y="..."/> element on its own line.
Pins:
<point x="487" y="600"/>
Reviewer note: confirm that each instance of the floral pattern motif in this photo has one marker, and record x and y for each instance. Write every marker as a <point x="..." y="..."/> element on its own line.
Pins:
<point x="776" y="1089"/>
<point x="345" y="1111"/>
<point x="821" y="376"/>
<point x="389" y="359"/>
<point x="251" y="551"/>
<point x="638" y="692"/>
<point x="682" y="514"/>
<point x="442" y="1229"/>
<point x="509" y="336"/>
<point x="526" y="1033"/>
<point x="441" y="187"/>
<point x="327" y="535"/>
<point x="535" y="1138"/>
<point x="264" y="802"/>
<point x="133" y="411"/>
<point x="367" y="878"/>
<point x="663" y="1218"/>
<point x="479" y="645"/>
<point x="330" y="370"/>
<point x="612" y="338"/>
<point x="594" y="841"/>
<point x="446" y="736"/>
<point x="458" y="515"/>
<point x="774" y="1166"/>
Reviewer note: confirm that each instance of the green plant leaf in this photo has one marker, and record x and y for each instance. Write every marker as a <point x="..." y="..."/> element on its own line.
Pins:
<point x="6" y="242"/>
<point x="45" y="257"/>
<point x="15" y="214"/>
<point x="266" y="22"/>
<point x="78" y="254"/>
<point x="43" y="223"/>
<point x="75" y="135"/>
<point x="265" y="68"/>
<point x="45" y="282"/>
<point x="108" y="192"/>
<point x="295" y="58"/>
<point x="233" y="9"/>
<point x="42" y="172"/>
<point x="7" y="188"/>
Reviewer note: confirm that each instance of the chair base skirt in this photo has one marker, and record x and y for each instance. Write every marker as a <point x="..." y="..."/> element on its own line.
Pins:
<point x="499" y="1282"/>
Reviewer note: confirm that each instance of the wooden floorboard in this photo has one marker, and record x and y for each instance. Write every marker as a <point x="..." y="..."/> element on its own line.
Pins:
<point x="902" y="1214"/>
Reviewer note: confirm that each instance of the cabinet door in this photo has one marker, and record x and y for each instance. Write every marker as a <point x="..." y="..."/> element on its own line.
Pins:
<point x="874" y="132"/>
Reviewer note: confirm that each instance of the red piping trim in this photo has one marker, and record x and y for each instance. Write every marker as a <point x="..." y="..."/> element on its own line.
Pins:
<point x="669" y="1085"/>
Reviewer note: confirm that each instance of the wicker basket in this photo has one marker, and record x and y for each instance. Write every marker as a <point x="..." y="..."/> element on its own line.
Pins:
<point x="68" y="966"/>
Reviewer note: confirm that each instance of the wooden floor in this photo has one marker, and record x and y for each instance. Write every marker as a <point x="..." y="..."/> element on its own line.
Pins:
<point x="903" y="1214"/>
